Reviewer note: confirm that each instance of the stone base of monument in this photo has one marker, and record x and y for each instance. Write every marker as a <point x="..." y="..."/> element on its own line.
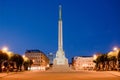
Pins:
<point x="60" y="68"/>
<point x="60" y="65"/>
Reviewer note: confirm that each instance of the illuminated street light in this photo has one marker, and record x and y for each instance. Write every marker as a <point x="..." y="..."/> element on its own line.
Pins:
<point x="5" y="49"/>
<point x="115" y="48"/>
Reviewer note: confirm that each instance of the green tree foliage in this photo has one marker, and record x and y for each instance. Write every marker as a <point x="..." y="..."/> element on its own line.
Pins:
<point x="18" y="59"/>
<point x="27" y="64"/>
<point x="113" y="59"/>
<point x="3" y="57"/>
<point x="118" y="59"/>
<point x="31" y="62"/>
<point x="105" y="62"/>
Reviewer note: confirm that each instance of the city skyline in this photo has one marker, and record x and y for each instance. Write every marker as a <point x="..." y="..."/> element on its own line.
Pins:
<point x="88" y="26"/>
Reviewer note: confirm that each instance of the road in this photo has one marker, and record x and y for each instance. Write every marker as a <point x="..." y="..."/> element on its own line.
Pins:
<point x="81" y="75"/>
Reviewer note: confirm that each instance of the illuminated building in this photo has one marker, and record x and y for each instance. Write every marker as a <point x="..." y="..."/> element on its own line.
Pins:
<point x="83" y="63"/>
<point x="40" y="60"/>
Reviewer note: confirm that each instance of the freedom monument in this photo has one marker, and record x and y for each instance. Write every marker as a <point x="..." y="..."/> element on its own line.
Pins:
<point x="60" y="62"/>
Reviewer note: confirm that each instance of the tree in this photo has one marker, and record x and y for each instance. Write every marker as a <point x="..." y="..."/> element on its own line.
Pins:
<point x="3" y="57"/>
<point x="31" y="62"/>
<point x="27" y="64"/>
<point x="113" y="59"/>
<point x="101" y="61"/>
<point x="105" y="61"/>
<point x="118" y="57"/>
<point x="18" y="59"/>
<point x="97" y="61"/>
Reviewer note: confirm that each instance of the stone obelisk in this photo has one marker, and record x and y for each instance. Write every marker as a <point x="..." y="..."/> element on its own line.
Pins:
<point x="60" y="61"/>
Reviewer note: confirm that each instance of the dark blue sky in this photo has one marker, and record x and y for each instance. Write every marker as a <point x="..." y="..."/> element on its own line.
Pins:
<point x="89" y="25"/>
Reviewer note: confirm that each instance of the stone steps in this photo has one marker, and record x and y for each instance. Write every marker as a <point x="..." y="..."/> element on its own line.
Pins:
<point x="60" y="68"/>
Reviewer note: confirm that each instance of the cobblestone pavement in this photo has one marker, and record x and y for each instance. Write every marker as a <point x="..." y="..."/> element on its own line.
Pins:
<point x="38" y="75"/>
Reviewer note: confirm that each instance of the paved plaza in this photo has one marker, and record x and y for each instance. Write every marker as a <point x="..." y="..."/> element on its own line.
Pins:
<point x="81" y="75"/>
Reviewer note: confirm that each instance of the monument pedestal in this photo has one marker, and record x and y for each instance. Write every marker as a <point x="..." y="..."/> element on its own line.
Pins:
<point x="60" y="63"/>
<point x="60" y="68"/>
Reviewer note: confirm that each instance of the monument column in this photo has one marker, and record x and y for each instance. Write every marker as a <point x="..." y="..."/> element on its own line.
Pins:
<point x="60" y="58"/>
<point x="60" y="40"/>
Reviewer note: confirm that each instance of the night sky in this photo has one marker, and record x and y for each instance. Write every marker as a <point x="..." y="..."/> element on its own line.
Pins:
<point x="89" y="26"/>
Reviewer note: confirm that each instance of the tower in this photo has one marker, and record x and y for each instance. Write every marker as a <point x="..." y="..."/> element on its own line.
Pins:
<point x="60" y="59"/>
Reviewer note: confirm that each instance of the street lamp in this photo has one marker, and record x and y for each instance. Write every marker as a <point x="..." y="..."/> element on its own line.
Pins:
<point x="5" y="49"/>
<point x="115" y="49"/>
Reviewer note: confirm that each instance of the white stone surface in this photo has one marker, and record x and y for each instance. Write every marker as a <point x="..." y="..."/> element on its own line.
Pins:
<point x="60" y="58"/>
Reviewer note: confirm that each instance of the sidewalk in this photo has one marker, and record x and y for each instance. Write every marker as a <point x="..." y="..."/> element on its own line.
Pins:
<point x="3" y="74"/>
<point x="6" y="74"/>
<point x="116" y="73"/>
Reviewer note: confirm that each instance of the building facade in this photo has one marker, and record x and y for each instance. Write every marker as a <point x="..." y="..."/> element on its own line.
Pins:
<point x="40" y="60"/>
<point x="83" y="63"/>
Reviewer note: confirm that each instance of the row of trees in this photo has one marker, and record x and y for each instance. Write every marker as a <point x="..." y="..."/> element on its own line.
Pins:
<point x="107" y="62"/>
<point x="12" y="61"/>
